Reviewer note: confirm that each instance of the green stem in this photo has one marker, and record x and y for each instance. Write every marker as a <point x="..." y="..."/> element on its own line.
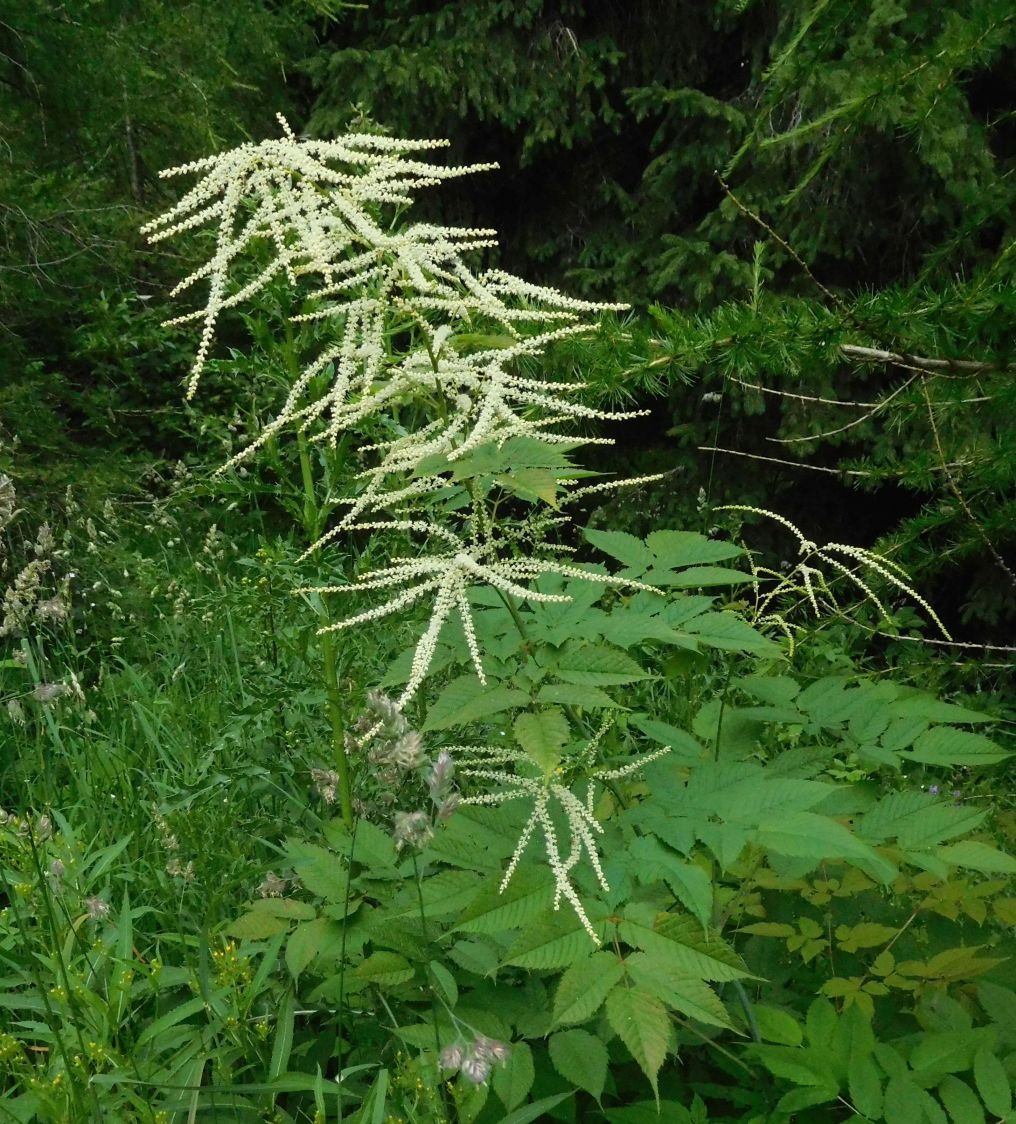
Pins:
<point x="312" y="522"/>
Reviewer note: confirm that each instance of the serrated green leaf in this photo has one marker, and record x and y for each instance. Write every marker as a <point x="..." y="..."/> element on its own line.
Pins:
<point x="689" y="883"/>
<point x="777" y="1026"/>
<point x="685" y="749"/>
<point x="701" y="577"/>
<point x="693" y="998"/>
<point x="917" y="819"/>
<point x="901" y="1102"/>
<point x="585" y="986"/>
<point x="543" y="735"/>
<point x="974" y="855"/>
<point x="556" y="942"/>
<point x="372" y="847"/>
<point x="992" y="1082"/>
<point x="531" y="484"/>
<point x="386" y="969"/>
<point x="807" y="835"/>
<point x="529" y="895"/>
<point x="535" y="1111"/>
<point x="641" y="1022"/>
<point x="625" y="548"/>
<point x="673" y="550"/>
<point x="449" y="892"/>
<point x="864" y="1083"/>
<point x="514" y="1078"/>
<point x="802" y="1065"/>
<point x="728" y="632"/>
<point x="320" y="871"/>
<point x="681" y="947"/>
<point x="256" y="926"/>
<point x="308" y="940"/>
<point x="930" y="709"/>
<point x="581" y="1059"/>
<point x="574" y="694"/>
<point x="599" y="665"/>
<point x="960" y="1101"/>
<point x="465" y="700"/>
<point x="945" y="745"/>
<point x="444" y="983"/>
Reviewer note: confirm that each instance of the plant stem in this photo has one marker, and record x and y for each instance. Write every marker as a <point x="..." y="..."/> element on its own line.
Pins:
<point x="312" y="523"/>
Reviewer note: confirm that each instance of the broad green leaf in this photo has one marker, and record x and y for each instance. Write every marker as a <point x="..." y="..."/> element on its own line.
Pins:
<point x="320" y="871"/>
<point x="585" y="986"/>
<point x="535" y="1111"/>
<point x="624" y="547"/>
<point x="693" y="998"/>
<point x="256" y="926"/>
<point x="685" y="749"/>
<point x="554" y="942"/>
<point x="288" y="908"/>
<point x="543" y="735"/>
<point x="806" y="835"/>
<point x="940" y="1052"/>
<point x="581" y="1059"/>
<point x="465" y="700"/>
<point x="729" y="632"/>
<point x="580" y="695"/>
<point x="931" y="709"/>
<point x="371" y="846"/>
<point x="802" y="1065"/>
<point x="960" y="1101"/>
<point x="308" y="940"/>
<point x="992" y="1082"/>
<point x="974" y="855"/>
<point x="798" y="1099"/>
<point x="673" y="550"/>
<point x="513" y="1079"/>
<point x="386" y="969"/>
<point x="702" y="577"/>
<point x="531" y="484"/>
<point x="917" y="819"/>
<point x="448" y="892"/>
<point x="681" y="947"/>
<point x="864" y="1083"/>
<point x="776" y="690"/>
<point x="776" y="1025"/>
<point x="444" y="983"/>
<point x="529" y="895"/>
<point x="599" y="665"/>
<point x="689" y="883"/>
<point x="944" y="745"/>
<point x="641" y="1022"/>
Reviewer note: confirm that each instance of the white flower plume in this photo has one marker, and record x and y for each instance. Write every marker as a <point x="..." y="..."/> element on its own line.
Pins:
<point x="447" y="577"/>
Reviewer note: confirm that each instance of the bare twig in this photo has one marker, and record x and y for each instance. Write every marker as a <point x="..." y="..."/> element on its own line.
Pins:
<point x="790" y="464"/>
<point x="850" y="425"/>
<point x="955" y="489"/>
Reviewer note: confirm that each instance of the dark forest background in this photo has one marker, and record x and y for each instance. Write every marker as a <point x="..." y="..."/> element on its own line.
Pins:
<point x="809" y="207"/>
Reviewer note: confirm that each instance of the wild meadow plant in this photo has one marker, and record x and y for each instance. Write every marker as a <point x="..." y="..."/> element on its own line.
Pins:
<point x="423" y="420"/>
<point x="579" y="818"/>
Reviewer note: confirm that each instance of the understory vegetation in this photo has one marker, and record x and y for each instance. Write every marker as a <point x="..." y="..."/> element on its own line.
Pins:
<point x="561" y="673"/>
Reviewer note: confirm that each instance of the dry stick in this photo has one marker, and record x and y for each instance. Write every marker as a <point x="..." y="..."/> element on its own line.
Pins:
<point x="850" y="425"/>
<point x="838" y="401"/>
<point x="801" y="397"/>
<point x="954" y="488"/>
<point x="790" y="464"/>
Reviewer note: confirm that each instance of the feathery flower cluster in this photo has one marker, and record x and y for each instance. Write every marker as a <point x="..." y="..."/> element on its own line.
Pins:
<point x="544" y="791"/>
<point x="449" y="576"/>
<point x="814" y="583"/>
